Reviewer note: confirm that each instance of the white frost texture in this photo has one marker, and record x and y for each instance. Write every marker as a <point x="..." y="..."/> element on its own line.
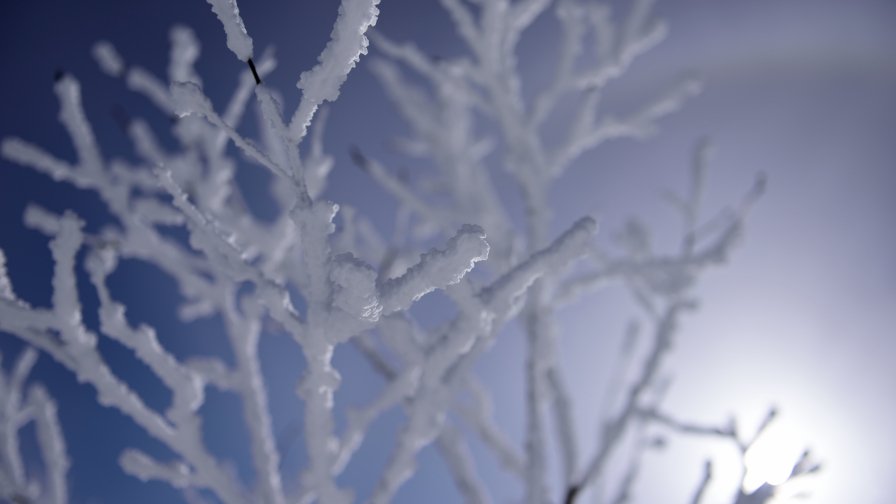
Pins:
<point x="238" y="39"/>
<point x="327" y="276"/>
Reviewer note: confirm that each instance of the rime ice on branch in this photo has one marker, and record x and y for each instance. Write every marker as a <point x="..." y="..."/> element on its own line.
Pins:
<point x="238" y="40"/>
<point x="441" y="115"/>
<point x="221" y="230"/>
<point x="347" y="44"/>
<point x="324" y="275"/>
<point x="21" y="406"/>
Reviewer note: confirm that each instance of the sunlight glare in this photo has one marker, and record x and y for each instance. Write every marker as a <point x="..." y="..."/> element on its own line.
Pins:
<point x="771" y="458"/>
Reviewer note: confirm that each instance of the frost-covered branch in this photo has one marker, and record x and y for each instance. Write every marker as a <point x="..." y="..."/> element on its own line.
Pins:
<point x="804" y="465"/>
<point x="450" y="443"/>
<point x="427" y="381"/>
<point x="479" y="415"/>
<point x="238" y="40"/>
<point x="21" y="406"/>
<point x="321" y="273"/>
<point x="347" y="44"/>
<point x="78" y="346"/>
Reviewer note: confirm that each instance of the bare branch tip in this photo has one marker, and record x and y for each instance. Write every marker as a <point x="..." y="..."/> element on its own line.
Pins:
<point x="254" y="71"/>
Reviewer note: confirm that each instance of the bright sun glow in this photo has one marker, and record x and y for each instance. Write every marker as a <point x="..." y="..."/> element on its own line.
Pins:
<point x="771" y="458"/>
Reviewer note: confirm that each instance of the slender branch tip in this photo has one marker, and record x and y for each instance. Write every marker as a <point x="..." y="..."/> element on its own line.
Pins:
<point x="254" y="71"/>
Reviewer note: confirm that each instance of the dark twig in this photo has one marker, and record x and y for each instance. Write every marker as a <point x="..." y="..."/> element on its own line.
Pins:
<point x="571" y="493"/>
<point x="254" y="71"/>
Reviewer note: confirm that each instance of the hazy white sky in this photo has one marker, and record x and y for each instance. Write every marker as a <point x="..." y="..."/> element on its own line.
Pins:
<point x="804" y="316"/>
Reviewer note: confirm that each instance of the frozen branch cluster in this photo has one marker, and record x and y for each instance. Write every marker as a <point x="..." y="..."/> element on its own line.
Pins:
<point x="23" y="405"/>
<point x="326" y="277"/>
